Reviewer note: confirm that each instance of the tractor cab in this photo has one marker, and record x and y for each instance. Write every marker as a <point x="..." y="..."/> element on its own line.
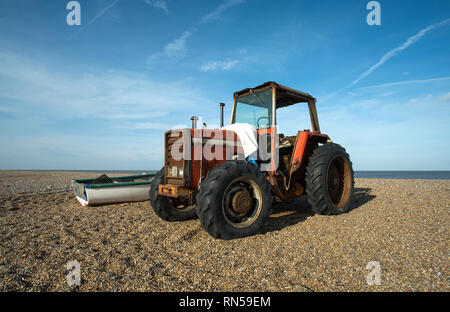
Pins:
<point x="258" y="107"/>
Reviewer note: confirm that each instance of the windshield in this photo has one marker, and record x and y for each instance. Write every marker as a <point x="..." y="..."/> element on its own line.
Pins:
<point x="255" y="109"/>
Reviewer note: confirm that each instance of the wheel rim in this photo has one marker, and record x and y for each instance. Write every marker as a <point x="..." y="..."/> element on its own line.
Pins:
<point x="339" y="181"/>
<point x="242" y="202"/>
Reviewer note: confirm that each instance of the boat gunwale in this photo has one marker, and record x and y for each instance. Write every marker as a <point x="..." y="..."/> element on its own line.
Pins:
<point x="86" y="184"/>
<point x="105" y="185"/>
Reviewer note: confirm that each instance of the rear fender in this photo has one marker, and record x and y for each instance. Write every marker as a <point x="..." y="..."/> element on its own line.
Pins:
<point x="305" y="140"/>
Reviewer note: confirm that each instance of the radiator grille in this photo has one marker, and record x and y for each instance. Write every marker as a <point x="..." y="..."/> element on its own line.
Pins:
<point x="174" y="151"/>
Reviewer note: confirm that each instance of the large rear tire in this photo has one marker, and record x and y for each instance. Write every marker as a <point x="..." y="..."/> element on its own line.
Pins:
<point x="329" y="180"/>
<point x="167" y="208"/>
<point x="235" y="200"/>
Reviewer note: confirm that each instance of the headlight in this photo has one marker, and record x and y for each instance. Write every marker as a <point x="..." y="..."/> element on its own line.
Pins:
<point x="174" y="172"/>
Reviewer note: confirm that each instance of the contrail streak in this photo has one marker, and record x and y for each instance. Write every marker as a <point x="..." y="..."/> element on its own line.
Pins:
<point x="100" y="14"/>
<point x="411" y="40"/>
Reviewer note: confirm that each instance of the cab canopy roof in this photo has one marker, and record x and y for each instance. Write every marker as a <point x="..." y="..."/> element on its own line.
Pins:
<point x="285" y="96"/>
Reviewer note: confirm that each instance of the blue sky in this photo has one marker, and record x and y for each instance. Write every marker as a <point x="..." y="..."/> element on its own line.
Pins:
<point x="101" y="95"/>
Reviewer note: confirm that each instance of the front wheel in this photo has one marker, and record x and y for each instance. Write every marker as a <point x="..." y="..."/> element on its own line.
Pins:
<point x="234" y="200"/>
<point x="329" y="180"/>
<point x="169" y="209"/>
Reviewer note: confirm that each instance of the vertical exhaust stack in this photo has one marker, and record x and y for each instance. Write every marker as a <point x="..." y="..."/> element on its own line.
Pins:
<point x="194" y="122"/>
<point x="222" y="105"/>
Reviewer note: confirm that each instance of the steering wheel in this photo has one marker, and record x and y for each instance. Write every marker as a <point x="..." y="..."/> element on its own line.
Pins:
<point x="263" y="117"/>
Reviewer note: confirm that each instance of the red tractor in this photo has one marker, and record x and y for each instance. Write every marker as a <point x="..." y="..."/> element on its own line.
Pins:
<point x="232" y="193"/>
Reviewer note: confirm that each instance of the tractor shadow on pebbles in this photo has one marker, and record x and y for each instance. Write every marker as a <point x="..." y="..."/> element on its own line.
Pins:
<point x="288" y="214"/>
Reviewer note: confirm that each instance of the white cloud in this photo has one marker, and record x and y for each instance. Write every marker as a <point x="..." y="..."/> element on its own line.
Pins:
<point x="445" y="98"/>
<point x="218" y="11"/>
<point x="106" y="95"/>
<point x="370" y="125"/>
<point x="423" y="99"/>
<point x="242" y="51"/>
<point x="159" y="4"/>
<point x="79" y="151"/>
<point x="384" y="85"/>
<point x="386" y="94"/>
<point x="173" y="50"/>
<point x="86" y="120"/>
<point x="218" y="65"/>
<point x="411" y="40"/>
<point x="406" y="82"/>
<point x="178" y="47"/>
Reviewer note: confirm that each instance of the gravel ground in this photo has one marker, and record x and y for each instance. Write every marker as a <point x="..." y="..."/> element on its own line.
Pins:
<point x="402" y="224"/>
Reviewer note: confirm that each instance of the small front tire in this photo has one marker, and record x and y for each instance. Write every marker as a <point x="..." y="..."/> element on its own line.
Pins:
<point x="167" y="208"/>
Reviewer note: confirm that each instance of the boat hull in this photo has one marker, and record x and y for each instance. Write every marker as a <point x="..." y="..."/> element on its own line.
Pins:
<point x="120" y="190"/>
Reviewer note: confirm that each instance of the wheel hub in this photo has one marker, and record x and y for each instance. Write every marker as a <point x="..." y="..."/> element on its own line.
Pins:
<point x="242" y="202"/>
<point x="333" y="183"/>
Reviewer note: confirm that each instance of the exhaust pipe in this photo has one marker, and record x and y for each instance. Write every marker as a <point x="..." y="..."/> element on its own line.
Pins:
<point x="221" y="114"/>
<point x="194" y="122"/>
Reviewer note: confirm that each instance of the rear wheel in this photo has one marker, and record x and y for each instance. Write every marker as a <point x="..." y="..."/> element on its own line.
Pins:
<point x="329" y="180"/>
<point x="169" y="209"/>
<point x="234" y="200"/>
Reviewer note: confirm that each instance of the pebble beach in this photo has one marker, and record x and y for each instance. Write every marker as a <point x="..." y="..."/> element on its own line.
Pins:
<point x="401" y="224"/>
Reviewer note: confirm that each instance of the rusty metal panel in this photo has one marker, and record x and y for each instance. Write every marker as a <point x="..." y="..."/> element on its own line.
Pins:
<point x="168" y="190"/>
<point x="172" y="140"/>
<point x="218" y="140"/>
<point x="286" y="96"/>
<point x="299" y="150"/>
<point x="313" y="116"/>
